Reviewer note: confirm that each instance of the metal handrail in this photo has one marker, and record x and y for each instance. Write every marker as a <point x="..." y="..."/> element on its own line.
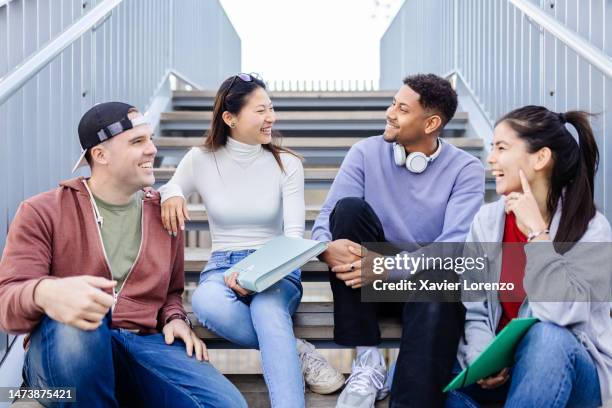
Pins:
<point x="579" y="45"/>
<point x="12" y="82"/>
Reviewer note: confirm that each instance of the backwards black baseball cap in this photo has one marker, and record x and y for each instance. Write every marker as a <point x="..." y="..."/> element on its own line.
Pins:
<point x="101" y="122"/>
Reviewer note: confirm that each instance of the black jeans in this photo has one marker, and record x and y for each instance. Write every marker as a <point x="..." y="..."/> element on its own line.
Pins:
<point x="430" y="332"/>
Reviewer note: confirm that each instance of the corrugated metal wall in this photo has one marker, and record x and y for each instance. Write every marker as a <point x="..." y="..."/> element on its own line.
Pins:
<point x="114" y="62"/>
<point x="220" y="54"/>
<point x="127" y="57"/>
<point x="419" y="39"/>
<point x="507" y="61"/>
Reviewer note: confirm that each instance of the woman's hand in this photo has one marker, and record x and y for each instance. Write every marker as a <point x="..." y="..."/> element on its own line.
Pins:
<point x="525" y="208"/>
<point x="232" y="283"/>
<point x="174" y="213"/>
<point x="496" y="380"/>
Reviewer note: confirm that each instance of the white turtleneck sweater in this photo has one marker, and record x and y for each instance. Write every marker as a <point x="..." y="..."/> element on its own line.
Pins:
<point x="248" y="198"/>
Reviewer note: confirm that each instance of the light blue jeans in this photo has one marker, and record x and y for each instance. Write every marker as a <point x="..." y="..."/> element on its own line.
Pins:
<point x="261" y="320"/>
<point x="552" y="369"/>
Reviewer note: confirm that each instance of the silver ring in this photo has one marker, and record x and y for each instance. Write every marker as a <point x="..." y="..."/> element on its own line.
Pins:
<point x="352" y="267"/>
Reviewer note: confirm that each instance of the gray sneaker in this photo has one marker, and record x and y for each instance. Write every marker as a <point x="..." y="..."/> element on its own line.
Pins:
<point x="319" y="375"/>
<point x="366" y="385"/>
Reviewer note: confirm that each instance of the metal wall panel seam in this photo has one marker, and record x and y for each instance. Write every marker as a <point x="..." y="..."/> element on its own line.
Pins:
<point x="29" y="96"/>
<point x="486" y="53"/>
<point x="61" y="92"/>
<point x="168" y="38"/>
<point x="4" y="196"/>
<point x="15" y="54"/>
<point x="146" y="73"/>
<point x="491" y="60"/>
<point x="481" y="51"/>
<point x="42" y="107"/>
<point x="498" y="61"/>
<point x="471" y="28"/>
<point x="36" y="62"/>
<point x="567" y="36"/>
<point x="124" y="48"/>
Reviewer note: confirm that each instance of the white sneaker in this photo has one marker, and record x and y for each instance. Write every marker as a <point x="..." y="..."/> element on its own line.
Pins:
<point x="366" y="384"/>
<point x="319" y="375"/>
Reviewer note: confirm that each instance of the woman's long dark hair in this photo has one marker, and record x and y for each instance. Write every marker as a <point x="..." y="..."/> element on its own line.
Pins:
<point x="574" y="165"/>
<point x="231" y="97"/>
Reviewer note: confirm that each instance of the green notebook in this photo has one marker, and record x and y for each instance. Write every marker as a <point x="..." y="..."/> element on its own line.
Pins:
<point x="499" y="354"/>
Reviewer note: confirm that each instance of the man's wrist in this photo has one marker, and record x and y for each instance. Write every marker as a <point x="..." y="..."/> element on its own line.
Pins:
<point x="40" y="293"/>
<point x="180" y="316"/>
<point x="323" y="255"/>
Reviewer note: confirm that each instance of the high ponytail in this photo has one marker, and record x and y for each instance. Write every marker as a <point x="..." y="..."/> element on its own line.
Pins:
<point x="574" y="165"/>
<point x="578" y="202"/>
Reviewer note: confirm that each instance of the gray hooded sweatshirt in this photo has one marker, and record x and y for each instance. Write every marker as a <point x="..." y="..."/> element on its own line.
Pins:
<point x="587" y="278"/>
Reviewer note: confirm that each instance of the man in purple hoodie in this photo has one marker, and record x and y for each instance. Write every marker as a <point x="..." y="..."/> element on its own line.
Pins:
<point x="406" y="186"/>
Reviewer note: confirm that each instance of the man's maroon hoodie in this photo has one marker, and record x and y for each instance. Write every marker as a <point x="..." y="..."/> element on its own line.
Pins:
<point x="55" y="235"/>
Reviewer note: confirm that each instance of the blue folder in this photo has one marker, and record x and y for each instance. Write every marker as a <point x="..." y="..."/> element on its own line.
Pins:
<point x="275" y="260"/>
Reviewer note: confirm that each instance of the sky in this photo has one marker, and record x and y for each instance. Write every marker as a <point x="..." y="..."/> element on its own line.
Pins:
<point x="311" y="40"/>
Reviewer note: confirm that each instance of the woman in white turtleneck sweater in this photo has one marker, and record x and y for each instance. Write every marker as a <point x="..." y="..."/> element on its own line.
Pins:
<point x="248" y="198"/>
<point x="253" y="191"/>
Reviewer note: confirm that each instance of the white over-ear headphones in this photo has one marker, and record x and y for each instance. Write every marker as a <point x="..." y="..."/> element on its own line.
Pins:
<point x="416" y="162"/>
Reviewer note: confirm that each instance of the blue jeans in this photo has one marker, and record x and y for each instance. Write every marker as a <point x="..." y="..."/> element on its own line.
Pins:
<point x="109" y="367"/>
<point x="261" y="320"/>
<point x="552" y="369"/>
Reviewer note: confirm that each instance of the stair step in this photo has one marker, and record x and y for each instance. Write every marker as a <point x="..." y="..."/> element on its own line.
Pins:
<point x="338" y="116"/>
<point x="319" y="95"/>
<point x="302" y="123"/>
<point x="317" y="151"/>
<point x="314" y="177"/>
<point x="165" y="142"/>
<point x="313" y="321"/>
<point x="376" y="100"/>
<point x="254" y="390"/>
<point x="169" y="142"/>
<point x="168" y="145"/>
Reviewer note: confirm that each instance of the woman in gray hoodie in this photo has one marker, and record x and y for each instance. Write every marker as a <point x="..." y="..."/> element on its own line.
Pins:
<point x="544" y="165"/>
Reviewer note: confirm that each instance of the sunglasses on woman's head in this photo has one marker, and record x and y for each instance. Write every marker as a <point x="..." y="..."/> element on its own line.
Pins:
<point x="244" y="77"/>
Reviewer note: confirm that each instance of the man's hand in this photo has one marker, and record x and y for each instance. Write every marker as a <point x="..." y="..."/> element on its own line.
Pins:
<point x="78" y="301"/>
<point x="177" y="328"/>
<point x="496" y="380"/>
<point x="338" y="253"/>
<point x="353" y="273"/>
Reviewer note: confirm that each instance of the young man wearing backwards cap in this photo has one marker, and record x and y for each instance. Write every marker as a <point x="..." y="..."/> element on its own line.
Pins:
<point x="90" y="273"/>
